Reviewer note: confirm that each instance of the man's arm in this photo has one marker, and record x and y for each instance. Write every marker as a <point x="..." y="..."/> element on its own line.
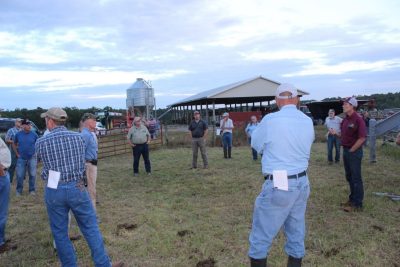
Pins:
<point x="129" y="138"/>
<point x="360" y="141"/>
<point x="14" y="147"/>
<point x="398" y="139"/>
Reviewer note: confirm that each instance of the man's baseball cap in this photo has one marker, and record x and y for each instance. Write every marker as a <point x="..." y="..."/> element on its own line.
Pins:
<point x="196" y="112"/>
<point x="88" y="116"/>
<point x="18" y="119"/>
<point x="136" y="119"/>
<point x="286" y="87"/>
<point x="351" y="100"/>
<point x="55" y="113"/>
<point x="225" y="114"/>
<point x="25" y="122"/>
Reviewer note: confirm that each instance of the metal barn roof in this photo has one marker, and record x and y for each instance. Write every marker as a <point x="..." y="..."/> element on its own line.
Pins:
<point x="251" y="90"/>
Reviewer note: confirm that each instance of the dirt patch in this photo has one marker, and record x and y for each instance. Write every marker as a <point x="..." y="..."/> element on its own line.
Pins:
<point x="331" y="252"/>
<point x="184" y="233"/>
<point x="210" y="262"/>
<point x="126" y="226"/>
<point x="378" y="228"/>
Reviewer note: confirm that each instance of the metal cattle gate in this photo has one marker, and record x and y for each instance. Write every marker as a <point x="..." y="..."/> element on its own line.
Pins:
<point x="117" y="144"/>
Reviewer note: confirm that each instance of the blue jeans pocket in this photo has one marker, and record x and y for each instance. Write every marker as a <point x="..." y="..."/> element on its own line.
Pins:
<point x="281" y="198"/>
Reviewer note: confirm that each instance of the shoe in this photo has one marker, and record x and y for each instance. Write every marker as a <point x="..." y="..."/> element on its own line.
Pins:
<point x="74" y="237"/>
<point x="18" y="194"/>
<point x="258" y="262"/>
<point x="345" y="204"/>
<point x="294" y="262"/>
<point x="205" y="167"/>
<point x="118" y="264"/>
<point x="149" y="173"/>
<point x="136" y="174"/>
<point x="330" y="162"/>
<point x="352" y="209"/>
<point x="7" y="246"/>
<point x="337" y="162"/>
<point x="33" y="193"/>
<point x="192" y="168"/>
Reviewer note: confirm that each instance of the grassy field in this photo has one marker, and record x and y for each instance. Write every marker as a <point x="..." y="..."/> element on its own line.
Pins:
<point x="180" y="217"/>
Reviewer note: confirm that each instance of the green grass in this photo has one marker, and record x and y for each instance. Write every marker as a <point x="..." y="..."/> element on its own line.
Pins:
<point x="214" y="207"/>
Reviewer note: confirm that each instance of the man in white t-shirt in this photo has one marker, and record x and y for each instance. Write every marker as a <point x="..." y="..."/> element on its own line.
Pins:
<point x="226" y="125"/>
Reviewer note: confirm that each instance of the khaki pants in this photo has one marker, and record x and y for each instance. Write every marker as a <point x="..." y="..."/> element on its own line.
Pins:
<point x="91" y="173"/>
<point x="196" y="144"/>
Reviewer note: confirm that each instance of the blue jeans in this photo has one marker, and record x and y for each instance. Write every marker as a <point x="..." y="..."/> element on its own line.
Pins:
<point x="253" y="151"/>
<point x="4" y="200"/>
<point x="352" y="168"/>
<point x="74" y="196"/>
<point x="22" y="165"/>
<point x="227" y="140"/>
<point x="11" y="169"/>
<point x="276" y="208"/>
<point x="333" y="140"/>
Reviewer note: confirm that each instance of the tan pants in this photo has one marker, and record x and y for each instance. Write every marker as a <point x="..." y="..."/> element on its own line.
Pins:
<point x="91" y="174"/>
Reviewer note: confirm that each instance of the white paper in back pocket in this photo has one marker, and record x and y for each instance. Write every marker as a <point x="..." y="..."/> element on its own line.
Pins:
<point x="281" y="180"/>
<point x="52" y="181"/>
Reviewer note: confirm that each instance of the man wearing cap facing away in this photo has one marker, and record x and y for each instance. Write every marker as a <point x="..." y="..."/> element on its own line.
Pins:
<point x="353" y="136"/>
<point x="199" y="130"/>
<point x="24" y="148"/>
<point x="139" y="138"/>
<point x="284" y="139"/>
<point x="226" y="125"/>
<point x="63" y="155"/>
<point x="89" y="126"/>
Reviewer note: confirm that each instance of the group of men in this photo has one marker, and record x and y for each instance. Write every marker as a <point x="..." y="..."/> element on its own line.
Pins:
<point x="283" y="138"/>
<point x="69" y="165"/>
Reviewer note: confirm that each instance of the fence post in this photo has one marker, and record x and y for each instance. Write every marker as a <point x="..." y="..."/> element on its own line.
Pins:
<point x="372" y="140"/>
<point x="166" y="134"/>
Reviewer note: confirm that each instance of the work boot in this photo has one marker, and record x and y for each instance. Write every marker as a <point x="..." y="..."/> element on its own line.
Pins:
<point x="225" y="153"/>
<point x="345" y="204"/>
<point x="258" y="263"/>
<point x="230" y="152"/>
<point x="294" y="262"/>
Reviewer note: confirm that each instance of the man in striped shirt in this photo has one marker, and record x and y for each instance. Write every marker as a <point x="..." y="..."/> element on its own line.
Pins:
<point x="63" y="155"/>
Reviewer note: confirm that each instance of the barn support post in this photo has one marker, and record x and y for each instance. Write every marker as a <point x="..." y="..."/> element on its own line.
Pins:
<point x="213" y="124"/>
<point x="372" y="140"/>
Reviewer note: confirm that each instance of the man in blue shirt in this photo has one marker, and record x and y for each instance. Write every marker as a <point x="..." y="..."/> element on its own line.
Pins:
<point x="63" y="155"/>
<point x="284" y="138"/>
<point x="89" y="126"/>
<point x="24" y="148"/>
<point x="249" y="131"/>
<point x="10" y="136"/>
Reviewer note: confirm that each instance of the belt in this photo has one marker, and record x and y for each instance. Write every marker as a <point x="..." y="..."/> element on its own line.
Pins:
<point x="93" y="161"/>
<point x="294" y="176"/>
<point x="140" y="144"/>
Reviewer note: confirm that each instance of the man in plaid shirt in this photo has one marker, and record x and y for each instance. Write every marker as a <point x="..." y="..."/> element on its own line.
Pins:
<point x="63" y="155"/>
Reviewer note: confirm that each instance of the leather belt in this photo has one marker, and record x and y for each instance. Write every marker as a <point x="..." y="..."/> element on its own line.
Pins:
<point x="93" y="161"/>
<point x="293" y="176"/>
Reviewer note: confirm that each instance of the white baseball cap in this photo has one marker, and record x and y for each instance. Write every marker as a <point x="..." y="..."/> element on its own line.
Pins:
<point x="286" y="87"/>
<point x="351" y="100"/>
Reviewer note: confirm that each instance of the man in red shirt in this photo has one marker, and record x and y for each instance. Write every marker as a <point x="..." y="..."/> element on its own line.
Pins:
<point x="353" y="136"/>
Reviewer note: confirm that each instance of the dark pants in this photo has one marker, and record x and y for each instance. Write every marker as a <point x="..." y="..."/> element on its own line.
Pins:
<point x="138" y="150"/>
<point x="333" y="141"/>
<point x="352" y="168"/>
<point x="253" y="151"/>
<point x="11" y="169"/>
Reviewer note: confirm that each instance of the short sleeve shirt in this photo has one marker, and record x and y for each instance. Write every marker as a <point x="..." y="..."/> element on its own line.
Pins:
<point x="138" y="135"/>
<point x="26" y="144"/>
<point x="198" y="128"/>
<point x="5" y="155"/>
<point x="333" y="123"/>
<point x="353" y="128"/>
<point x="228" y="123"/>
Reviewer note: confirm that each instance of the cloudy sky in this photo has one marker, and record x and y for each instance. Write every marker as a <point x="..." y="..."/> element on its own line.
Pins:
<point x="86" y="53"/>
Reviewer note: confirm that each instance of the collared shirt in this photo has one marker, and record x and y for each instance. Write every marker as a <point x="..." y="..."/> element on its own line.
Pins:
<point x="5" y="155"/>
<point x="11" y="135"/>
<point x="250" y="128"/>
<point x="223" y="124"/>
<point x="198" y="128"/>
<point x="90" y="144"/>
<point x="333" y="123"/>
<point x="62" y="151"/>
<point x="138" y="135"/>
<point x="353" y="128"/>
<point x="26" y="144"/>
<point x="284" y="138"/>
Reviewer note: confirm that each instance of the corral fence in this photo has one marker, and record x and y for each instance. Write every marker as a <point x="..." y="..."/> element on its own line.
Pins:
<point x="114" y="142"/>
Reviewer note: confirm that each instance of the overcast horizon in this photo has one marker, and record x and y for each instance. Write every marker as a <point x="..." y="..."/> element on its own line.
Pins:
<point x="87" y="53"/>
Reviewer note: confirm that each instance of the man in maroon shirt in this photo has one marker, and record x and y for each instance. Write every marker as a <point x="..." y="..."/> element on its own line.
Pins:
<point x="353" y="136"/>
